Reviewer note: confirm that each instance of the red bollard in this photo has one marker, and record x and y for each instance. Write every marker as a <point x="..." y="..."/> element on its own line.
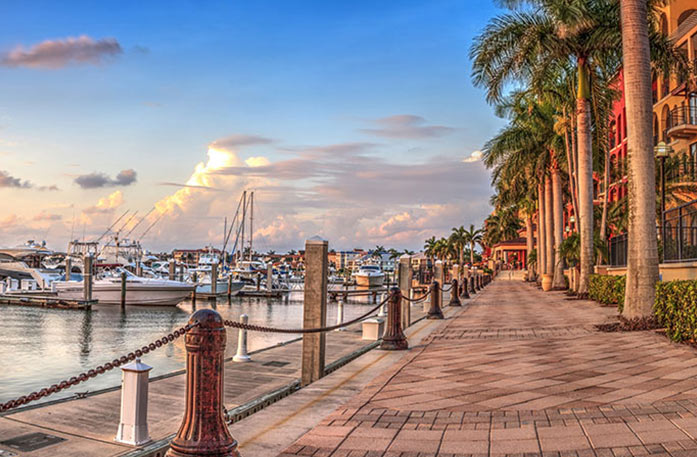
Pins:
<point x="203" y="431"/>
<point x="394" y="338"/>
<point x="435" y="311"/>
<point x="454" y="294"/>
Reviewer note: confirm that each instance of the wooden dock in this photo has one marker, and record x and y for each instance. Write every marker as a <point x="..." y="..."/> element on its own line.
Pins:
<point x="43" y="299"/>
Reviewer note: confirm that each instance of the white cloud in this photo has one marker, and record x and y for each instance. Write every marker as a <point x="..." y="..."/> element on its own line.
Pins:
<point x="476" y="156"/>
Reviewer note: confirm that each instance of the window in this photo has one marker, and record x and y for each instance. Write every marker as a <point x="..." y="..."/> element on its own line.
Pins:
<point x="613" y="134"/>
<point x="663" y="26"/>
<point x="665" y="120"/>
<point x="655" y="129"/>
<point x="693" y="42"/>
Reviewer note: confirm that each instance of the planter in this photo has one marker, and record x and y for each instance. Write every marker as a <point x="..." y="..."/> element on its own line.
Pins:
<point x="546" y="282"/>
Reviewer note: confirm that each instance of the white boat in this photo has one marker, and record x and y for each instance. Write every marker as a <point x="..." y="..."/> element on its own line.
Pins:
<point x="139" y="291"/>
<point x="369" y="275"/>
<point x="204" y="287"/>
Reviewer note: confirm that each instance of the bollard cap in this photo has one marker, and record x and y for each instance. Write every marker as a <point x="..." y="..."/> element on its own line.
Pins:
<point x="206" y="318"/>
<point x="136" y="366"/>
<point x="316" y="240"/>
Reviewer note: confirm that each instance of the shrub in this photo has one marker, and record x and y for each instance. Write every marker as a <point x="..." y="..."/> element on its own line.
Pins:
<point x="607" y="289"/>
<point x="676" y="309"/>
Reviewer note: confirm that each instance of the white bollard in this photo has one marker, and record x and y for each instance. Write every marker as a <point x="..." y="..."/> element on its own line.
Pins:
<point x="383" y="309"/>
<point x="133" y="427"/>
<point x="340" y="314"/>
<point x="242" y="355"/>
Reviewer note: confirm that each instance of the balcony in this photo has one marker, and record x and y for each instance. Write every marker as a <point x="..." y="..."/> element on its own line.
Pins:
<point x="682" y="122"/>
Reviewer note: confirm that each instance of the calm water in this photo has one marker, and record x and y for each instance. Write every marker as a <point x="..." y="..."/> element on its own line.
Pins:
<point x="44" y="346"/>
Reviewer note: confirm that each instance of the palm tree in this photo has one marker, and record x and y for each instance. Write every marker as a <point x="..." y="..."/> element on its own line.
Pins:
<point x="473" y="236"/>
<point x="642" y="252"/>
<point x="459" y="240"/>
<point x="430" y="248"/>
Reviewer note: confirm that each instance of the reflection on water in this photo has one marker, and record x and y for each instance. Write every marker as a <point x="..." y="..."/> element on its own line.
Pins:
<point x="42" y="346"/>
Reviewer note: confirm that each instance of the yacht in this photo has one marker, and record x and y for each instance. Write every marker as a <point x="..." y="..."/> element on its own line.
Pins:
<point x="369" y="275"/>
<point x="139" y="290"/>
<point x="204" y="286"/>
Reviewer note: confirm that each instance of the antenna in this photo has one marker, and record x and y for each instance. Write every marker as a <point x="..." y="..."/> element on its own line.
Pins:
<point x="251" y="224"/>
<point x="151" y="226"/>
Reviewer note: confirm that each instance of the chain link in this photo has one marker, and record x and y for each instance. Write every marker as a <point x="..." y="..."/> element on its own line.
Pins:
<point x="101" y="369"/>
<point x="259" y="328"/>
<point x="418" y="300"/>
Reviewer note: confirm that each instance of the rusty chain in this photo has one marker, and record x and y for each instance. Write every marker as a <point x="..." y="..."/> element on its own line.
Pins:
<point x="260" y="328"/>
<point x="443" y="289"/>
<point x="101" y="369"/>
<point x="418" y="300"/>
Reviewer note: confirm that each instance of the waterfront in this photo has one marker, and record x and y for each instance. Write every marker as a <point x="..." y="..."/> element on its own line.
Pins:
<point x="43" y="346"/>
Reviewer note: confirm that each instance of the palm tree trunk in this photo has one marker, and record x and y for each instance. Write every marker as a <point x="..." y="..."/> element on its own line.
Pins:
<point x="541" y="257"/>
<point x="642" y="253"/>
<point x="558" y="282"/>
<point x="606" y="184"/>
<point x="571" y="162"/>
<point x="574" y="159"/>
<point x="528" y="244"/>
<point x="549" y="228"/>
<point x="472" y="252"/>
<point x="585" y="178"/>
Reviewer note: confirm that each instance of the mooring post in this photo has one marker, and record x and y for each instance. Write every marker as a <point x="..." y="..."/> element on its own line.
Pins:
<point x="340" y="315"/>
<point x="471" y="283"/>
<point x="139" y="268"/>
<point x="258" y="281"/>
<point x="394" y="339"/>
<point x="435" y="312"/>
<point x="404" y="283"/>
<point x="454" y="294"/>
<point x="68" y="267"/>
<point x="269" y="277"/>
<point x="229" y="286"/>
<point x="172" y="269"/>
<point x="464" y="285"/>
<point x="133" y="427"/>
<point x="123" y="289"/>
<point x="438" y="273"/>
<point x="242" y="355"/>
<point x="203" y="431"/>
<point x="214" y="278"/>
<point x="314" y="309"/>
<point x="477" y="277"/>
<point x="87" y="277"/>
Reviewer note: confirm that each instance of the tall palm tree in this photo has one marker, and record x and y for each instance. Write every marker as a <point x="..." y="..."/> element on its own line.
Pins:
<point x="430" y="248"/>
<point x="642" y="252"/>
<point x="459" y="241"/>
<point x="471" y="237"/>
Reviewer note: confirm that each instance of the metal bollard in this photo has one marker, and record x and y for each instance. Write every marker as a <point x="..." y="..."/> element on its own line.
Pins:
<point x="242" y="355"/>
<point x="133" y="427"/>
<point x="478" y="282"/>
<point x="394" y="338"/>
<point x="435" y="312"/>
<point x="454" y="294"/>
<point x="340" y="315"/>
<point x="471" y="281"/>
<point x="203" y="430"/>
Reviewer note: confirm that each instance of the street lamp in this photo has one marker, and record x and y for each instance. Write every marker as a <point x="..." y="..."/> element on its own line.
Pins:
<point x="662" y="151"/>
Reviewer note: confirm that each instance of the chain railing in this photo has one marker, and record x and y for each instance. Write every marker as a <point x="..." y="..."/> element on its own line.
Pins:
<point x="101" y="369"/>
<point x="419" y="299"/>
<point x="261" y="328"/>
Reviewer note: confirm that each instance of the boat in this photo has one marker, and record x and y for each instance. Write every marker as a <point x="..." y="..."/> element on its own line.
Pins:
<point x="139" y="290"/>
<point x="369" y="276"/>
<point x="221" y="287"/>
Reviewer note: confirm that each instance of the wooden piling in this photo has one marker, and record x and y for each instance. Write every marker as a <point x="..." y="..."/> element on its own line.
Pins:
<point x="87" y="277"/>
<point x="123" y="289"/>
<point x="404" y="280"/>
<point x="314" y="309"/>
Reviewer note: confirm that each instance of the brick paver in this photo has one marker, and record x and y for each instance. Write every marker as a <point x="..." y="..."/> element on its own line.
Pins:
<point x="522" y="373"/>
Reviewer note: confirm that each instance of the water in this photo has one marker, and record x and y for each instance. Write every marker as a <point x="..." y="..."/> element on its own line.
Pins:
<point x="45" y="346"/>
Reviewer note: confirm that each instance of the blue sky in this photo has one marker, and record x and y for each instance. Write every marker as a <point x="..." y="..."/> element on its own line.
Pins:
<point x="287" y="84"/>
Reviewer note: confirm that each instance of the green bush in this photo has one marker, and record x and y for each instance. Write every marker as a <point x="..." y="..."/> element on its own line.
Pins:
<point x="676" y="309"/>
<point x="607" y="289"/>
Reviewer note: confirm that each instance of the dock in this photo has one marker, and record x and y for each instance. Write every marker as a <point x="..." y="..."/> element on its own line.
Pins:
<point x="86" y="426"/>
<point x="43" y="299"/>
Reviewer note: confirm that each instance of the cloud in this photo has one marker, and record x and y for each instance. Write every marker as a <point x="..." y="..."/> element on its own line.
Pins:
<point x="106" y="204"/>
<point x="97" y="180"/>
<point x="189" y="186"/>
<point x="236" y="140"/>
<point x="59" y="53"/>
<point x="474" y="157"/>
<point x="406" y="126"/>
<point x="44" y="216"/>
<point x="7" y="180"/>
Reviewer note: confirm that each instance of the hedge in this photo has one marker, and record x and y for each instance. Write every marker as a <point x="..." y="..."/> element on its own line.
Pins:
<point x="607" y="289"/>
<point x="676" y="309"/>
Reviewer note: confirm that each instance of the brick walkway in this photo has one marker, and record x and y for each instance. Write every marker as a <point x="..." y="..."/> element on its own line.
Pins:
<point x="521" y="373"/>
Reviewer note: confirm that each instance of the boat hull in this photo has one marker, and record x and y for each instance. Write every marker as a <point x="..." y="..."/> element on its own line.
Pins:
<point x="370" y="280"/>
<point x="136" y="294"/>
<point x="221" y="288"/>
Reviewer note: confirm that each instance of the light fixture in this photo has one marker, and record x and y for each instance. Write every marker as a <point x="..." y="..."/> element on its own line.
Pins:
<point x="662" y="150"/>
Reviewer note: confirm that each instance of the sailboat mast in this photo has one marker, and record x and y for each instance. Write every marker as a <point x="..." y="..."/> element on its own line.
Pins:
<point x="244" y="219"/>
<point x="224" y="235"/>
<point x="251" y="225"/>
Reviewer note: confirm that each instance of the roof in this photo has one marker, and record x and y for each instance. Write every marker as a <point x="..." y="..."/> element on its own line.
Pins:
<point x="515" y="242"/>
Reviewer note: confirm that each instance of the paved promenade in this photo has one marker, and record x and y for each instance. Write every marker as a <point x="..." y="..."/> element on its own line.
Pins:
<point x="522" y="373"/>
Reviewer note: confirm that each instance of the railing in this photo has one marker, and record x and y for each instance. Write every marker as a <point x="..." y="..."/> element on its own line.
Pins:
<point x="680" y="233"/>
<point x="682" y="115"/>
<point x="617" y="249"/>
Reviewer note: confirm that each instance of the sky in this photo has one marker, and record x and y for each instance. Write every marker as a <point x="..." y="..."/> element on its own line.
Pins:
<point x="354" y="121"/>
